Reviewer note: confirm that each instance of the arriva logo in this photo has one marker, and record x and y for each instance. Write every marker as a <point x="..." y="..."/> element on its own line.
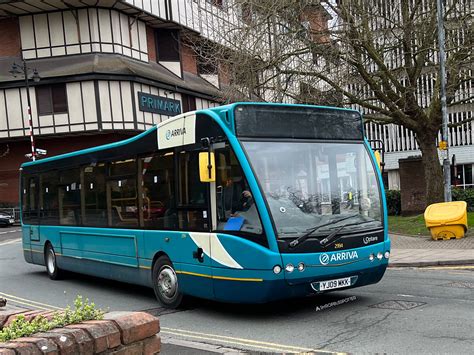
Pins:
<point x="175" y="132"/>
<point x="325" y="259"/>
<point x="367" y="240"/>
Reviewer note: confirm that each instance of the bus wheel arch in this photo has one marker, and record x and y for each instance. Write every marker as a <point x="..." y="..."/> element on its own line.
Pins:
<point x="50" y="261"/>
<point x="165" y="281"/>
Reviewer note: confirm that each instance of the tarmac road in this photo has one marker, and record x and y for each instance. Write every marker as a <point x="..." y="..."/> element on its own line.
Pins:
<point x="427" y="310"/>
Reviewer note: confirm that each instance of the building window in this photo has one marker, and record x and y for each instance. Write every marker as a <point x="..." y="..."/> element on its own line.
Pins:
<point x="246" y="12"/>
<point x="51" y="99"/>
<point x="207" y="66"/>
<point x="217" y="3"/>
<point x="189" y="103"/>
<point x="167" y="45"/>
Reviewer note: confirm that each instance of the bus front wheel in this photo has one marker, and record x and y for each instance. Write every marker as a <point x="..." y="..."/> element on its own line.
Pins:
<point x="165" y="283"/>
<point x="54" y="272"/>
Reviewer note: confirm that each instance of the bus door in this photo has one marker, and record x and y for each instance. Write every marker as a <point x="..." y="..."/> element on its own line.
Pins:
<point x="194" y="218"/>
<point x="30" y="218"/>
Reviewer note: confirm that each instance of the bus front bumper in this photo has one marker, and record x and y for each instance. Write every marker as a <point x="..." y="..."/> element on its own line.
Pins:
<point x="273" y="290"/>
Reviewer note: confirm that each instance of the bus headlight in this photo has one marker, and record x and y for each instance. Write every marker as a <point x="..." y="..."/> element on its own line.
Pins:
<point x="289" y="268"/>
<point x="379" y="255"/>
<point x="277" y="269"/>
<point x="301" y="267"/>
<point x="387" y="254"/>
<point x="371" y="257"/>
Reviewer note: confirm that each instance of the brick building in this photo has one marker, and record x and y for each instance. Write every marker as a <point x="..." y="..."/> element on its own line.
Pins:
<point x="109" y="69"/>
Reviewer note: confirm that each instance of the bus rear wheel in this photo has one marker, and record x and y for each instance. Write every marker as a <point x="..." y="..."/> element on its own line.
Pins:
<point x="165" y="283"/>
<point x="52" y="269"/>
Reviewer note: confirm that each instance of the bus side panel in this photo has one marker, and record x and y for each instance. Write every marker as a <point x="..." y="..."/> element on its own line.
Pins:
<point x="108" y="253"/>
<point x="180" y="248"/>
<point x="108" y="245"/>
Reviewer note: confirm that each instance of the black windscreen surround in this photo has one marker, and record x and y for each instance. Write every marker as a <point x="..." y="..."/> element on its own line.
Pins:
<point x="272" y="121"/>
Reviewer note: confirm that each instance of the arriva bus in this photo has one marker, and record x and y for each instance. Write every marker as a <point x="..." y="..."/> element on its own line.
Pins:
<point x="248" y="203"/>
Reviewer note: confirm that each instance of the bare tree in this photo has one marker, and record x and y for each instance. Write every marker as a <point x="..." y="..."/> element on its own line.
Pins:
<point x="380" y="56"/>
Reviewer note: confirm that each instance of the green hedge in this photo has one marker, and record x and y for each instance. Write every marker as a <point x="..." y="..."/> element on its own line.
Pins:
<point x="464" y="195"/>
<point x="394" y="202"/>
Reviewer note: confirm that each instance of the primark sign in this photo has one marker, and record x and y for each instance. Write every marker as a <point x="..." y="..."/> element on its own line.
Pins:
<point x="158" y="104"/>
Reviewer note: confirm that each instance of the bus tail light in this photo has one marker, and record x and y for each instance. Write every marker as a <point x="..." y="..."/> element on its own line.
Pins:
<point x="277" y="269"/>
<point x="371" y="257"/>
<point x="379" y="255"/>
<point x="289" y="268"/>
<point x="387" y="254"/>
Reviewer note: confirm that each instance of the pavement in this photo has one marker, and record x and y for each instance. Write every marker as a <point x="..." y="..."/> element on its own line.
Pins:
<point x="419" y="251"/>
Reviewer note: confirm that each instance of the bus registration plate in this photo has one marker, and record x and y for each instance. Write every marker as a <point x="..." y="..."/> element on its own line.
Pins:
<point x="333" y="284"/>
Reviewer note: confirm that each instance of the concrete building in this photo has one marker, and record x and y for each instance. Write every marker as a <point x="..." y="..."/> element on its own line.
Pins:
<point x="109" y="69"/>
<point x="399" y="142"/>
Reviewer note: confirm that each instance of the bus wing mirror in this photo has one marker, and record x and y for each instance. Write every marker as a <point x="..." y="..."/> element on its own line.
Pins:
<point x="207" y="167"/>
<point x="378" y="159"/>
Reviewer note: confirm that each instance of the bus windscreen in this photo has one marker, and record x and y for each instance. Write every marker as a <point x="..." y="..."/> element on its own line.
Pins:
<point x="270" y="121"/>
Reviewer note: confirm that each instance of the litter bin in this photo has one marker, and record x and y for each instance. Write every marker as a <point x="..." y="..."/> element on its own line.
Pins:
<point x="447" y="220"/>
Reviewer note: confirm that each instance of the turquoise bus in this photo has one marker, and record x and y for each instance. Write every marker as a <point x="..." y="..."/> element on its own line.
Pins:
<point x="245" y="203"/>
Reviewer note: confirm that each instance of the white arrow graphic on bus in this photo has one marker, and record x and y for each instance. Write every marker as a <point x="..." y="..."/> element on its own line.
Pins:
<point x="210" y="241"/>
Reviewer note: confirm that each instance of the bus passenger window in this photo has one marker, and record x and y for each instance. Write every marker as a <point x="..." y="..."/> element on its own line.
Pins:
<point x="69" y="198"/>
<point x="158" y="191"/>
<point x="49" y="210"/>
<point x="29" y="200"/>
<point x="95" y="200"/>
<point x="236" y="210"/>
<point x="122" y="194"/>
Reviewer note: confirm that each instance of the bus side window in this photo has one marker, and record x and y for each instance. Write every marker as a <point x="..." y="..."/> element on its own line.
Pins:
<point x="69" y="197"/>
<point x="193" y="200"/>
<point x="122" y="197"/>
<point x="95" y="200"/>
<point x="49" y="211"/>
<point x="158" y="191"/>
<point x="30" y="200"/>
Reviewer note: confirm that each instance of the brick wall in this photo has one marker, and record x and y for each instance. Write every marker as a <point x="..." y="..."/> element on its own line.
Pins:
<point x="150" y="39"/>
<point x="119" y="333"/>
<point x="188" y="59"/>
<point x="10" y="44"/>
<point x="412" y="185"/>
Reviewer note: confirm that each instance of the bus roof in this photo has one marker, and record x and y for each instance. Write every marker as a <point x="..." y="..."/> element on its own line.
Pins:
<point x="219" y="110"/>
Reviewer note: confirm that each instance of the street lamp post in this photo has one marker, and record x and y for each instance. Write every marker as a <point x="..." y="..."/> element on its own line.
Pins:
<point x="444" y="112"/>
<point x="24" y="70"/>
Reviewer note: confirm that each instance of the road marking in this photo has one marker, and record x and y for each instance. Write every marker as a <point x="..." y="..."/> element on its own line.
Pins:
<point x="31" y="303"/>
<point x="13" y="241"/>
<point x="12" y="231"/>
<point x="241" y="341"/>
<point x="32" y="306"/>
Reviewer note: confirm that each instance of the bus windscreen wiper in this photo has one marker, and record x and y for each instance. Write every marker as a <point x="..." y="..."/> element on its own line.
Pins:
<point x="305" y="236"/>
<point x="334" y="236"/>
